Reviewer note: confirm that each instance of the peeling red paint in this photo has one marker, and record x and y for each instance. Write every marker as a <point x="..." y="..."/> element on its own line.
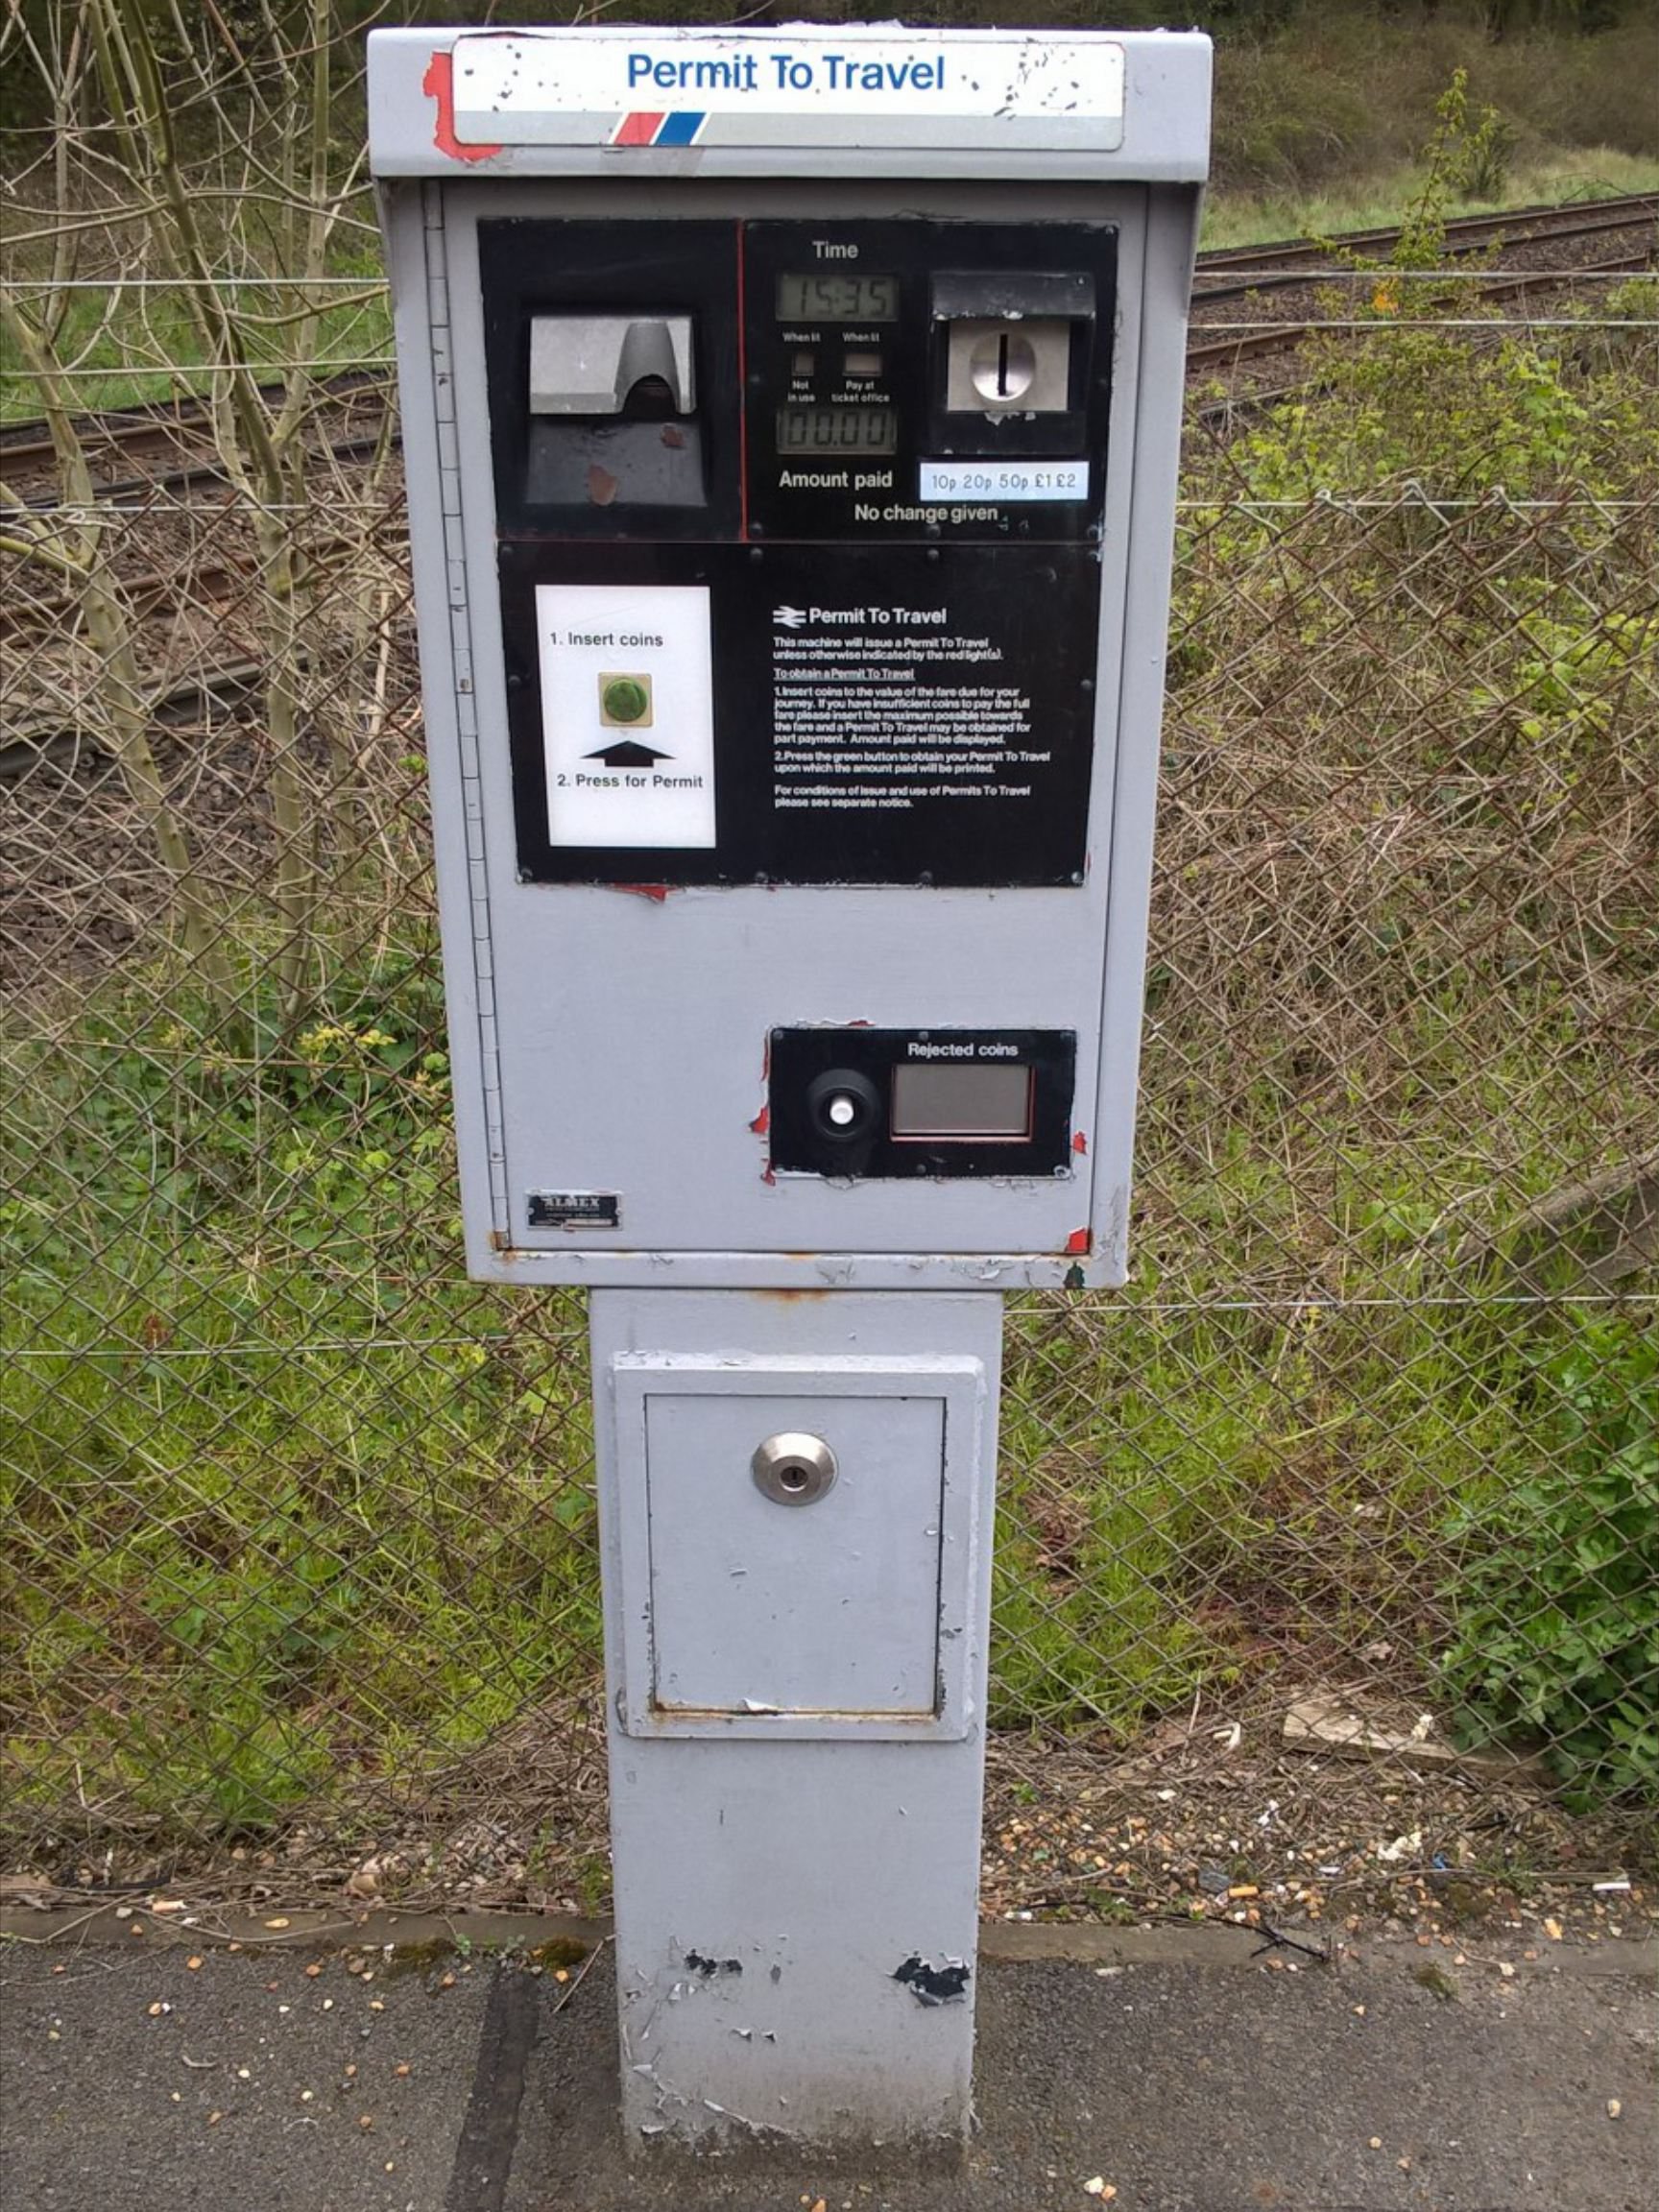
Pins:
<point x="655" y="891"/>
<point x="1079" y="1143"/>
<point x="768" y="1174"/>
<point x="762" y="1122"/>
<point x="439" y="85"/>
<point x="1078" y="1241"/>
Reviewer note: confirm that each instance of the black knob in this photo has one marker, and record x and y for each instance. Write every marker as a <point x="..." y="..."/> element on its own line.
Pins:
<point x="844" y="1106"/>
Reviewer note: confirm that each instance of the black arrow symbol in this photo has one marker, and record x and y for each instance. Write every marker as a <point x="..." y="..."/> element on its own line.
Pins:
<point x="627" y="753"/>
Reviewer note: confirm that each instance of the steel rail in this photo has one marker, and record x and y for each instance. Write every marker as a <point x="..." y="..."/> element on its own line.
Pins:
<point x="1241" y="345"/>
<point x="154" y="425"/>
<point x="1275" y="276"/>
<point x="1621" y="206"/>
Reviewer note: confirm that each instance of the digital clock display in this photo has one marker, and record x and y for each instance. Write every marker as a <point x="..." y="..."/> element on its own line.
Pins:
<point x="837" y="295"/>
<point x="835" y="431"/>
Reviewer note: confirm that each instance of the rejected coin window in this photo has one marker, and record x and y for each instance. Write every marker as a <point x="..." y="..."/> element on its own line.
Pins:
<point x="961" y="1102"/>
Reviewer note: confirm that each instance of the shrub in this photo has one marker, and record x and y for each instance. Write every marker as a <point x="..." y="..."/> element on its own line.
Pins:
<point x="1556" y="1614"/>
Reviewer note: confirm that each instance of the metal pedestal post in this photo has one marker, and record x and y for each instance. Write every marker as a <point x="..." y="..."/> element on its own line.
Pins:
<point x="796" y="1500"/>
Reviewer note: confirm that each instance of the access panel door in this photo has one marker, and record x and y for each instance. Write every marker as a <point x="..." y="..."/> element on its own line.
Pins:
<point x="795" y="1546"/>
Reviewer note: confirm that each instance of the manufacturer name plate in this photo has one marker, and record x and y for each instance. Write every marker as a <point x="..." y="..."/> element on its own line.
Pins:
<point x="574" y="1210"/>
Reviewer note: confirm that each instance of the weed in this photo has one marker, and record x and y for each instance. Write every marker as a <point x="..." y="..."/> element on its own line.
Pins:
<point x="593" y="1882"/>
<point x="266" y="1464"/>
<point x="1557" y="1615"/>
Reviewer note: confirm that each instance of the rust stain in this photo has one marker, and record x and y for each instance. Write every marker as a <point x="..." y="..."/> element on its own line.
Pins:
<point x="602" y="486"/>
<point x="790" y="1297"/>
<point x="762" y="1122"/>
<point x="439" y="85"/>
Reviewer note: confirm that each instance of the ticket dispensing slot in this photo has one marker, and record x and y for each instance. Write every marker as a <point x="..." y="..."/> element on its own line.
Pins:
<point x="615" y="395"/>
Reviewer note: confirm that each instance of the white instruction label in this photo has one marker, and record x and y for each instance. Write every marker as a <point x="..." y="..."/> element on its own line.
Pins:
<point x="627" y="714"/>
<point x="1004" y="480"/>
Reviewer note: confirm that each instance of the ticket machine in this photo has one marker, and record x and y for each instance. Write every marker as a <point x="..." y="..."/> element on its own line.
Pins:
<point x="791" y="420"/>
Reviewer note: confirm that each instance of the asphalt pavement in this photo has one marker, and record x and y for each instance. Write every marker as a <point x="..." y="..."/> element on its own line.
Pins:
<point x="145" y="2076"/>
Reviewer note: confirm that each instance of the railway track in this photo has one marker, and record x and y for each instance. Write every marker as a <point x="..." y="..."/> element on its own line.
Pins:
<point x="1241" y="345"/>
<point x="1232" y="272"/>
<point x="165" y="428"/>
<point x="158" y="425"/>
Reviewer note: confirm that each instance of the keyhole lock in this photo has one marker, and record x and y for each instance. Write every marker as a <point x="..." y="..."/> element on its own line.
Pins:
<point x="793" y="1469"/>
<point x="1003" y="366"/>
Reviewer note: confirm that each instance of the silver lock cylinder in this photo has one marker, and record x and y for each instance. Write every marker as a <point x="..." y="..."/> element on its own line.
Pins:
<point x="793" y="1468"/>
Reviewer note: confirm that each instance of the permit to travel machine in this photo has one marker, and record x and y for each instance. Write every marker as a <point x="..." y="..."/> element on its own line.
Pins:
<point x="791" y="418"/>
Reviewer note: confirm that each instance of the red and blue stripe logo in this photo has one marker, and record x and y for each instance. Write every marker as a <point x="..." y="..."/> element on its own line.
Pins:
<point x="678" y="127"/>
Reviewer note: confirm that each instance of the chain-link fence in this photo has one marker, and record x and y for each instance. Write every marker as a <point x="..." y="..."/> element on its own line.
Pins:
<point x="1330" y="1548"/>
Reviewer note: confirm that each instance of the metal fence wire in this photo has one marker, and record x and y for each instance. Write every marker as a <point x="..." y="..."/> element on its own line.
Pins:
<point x="1335" y="1536"/>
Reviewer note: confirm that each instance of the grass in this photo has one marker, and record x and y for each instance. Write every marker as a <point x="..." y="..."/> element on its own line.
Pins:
<point x="126" y="348"/>
<point x="1253" y="217"/>
<point x="291" y="1505"/>
<point x="276" y="1475"/>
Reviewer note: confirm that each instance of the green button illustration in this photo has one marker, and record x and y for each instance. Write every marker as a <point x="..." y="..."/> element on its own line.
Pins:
<point x="624" y="698"/>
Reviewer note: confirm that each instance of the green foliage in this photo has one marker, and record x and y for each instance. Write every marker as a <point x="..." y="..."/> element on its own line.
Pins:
<point x="296" y="1497"/>
<point x="1455" y="413"/>
<point x="1556" y="1610"/>
<point x="1484" y="157"/>
<point x="1332" y="99"/>
<point x="289" y="1501"/>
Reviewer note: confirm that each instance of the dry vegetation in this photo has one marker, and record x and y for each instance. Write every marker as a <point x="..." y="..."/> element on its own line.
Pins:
<point x="300" y="1520"/>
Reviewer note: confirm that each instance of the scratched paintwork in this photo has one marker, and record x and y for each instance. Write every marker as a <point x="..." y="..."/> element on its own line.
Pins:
<point x="612" y="1042"/>
<point x="818" y="1852"/>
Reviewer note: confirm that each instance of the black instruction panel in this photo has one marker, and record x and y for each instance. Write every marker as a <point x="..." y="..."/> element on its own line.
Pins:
<point x="798" y="535"/>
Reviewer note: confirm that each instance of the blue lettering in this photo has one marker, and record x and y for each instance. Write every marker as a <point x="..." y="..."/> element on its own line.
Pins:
<point x="852" y="73"/>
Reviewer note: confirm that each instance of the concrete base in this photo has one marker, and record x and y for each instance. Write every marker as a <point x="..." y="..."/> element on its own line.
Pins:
<point x="796" y="1889"/>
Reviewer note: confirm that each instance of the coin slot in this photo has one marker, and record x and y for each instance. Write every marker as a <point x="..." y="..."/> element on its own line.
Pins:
<point x="1008" y="364"/>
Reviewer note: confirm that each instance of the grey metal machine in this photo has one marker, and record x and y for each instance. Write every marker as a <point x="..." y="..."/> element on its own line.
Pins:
<point x="791" y="420"/>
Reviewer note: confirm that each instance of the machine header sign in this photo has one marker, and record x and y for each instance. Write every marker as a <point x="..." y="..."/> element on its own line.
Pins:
<point x="651" y="86"/>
